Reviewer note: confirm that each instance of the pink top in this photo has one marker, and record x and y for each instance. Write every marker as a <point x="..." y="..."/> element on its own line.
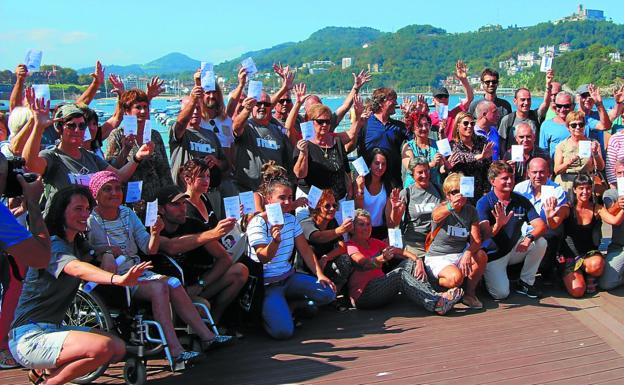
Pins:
<point x="360" y="278"/>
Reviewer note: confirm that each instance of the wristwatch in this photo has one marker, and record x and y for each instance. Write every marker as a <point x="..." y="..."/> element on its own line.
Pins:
<point x="201" y="283"/>
<point x="531" y="237"/>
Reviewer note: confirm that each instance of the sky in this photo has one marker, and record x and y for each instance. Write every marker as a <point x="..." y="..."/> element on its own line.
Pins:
<point x="76" y="33"/>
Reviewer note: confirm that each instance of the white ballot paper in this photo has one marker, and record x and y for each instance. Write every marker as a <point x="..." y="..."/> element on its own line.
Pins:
<point x="517" y="153"/>
<point x="394" y="238"/>
<point x="444" y="147"/>
<point x="585" y="149"/>
<point x="546" y="63"/>
<point x="313" y="196"/>
<point x="442" y="111"/>
<point x="547" y="192"/>
<point x="151" y="213"/>
<point x="130" y="125"/>
<point x="255" y="89"/>
<point x="206" y="67"/>
<point x="274" y="214"/>
<point x="466" y="186"/>
<point x="360" y="166"/>
<point x="347" y="208"/>
<point x="247" y="200"/>
<point x="307" y="130"/>
<point x="207" y="76"/>
<point x="87" y="135"/>
<point x="42" y="91"/>
<point x="134" y="191"/>
<point x="33" y="60"/>
<point x="620" y="186"/>
<point x="147" y="132"/>
<point x="250" y="66"/>
<point x="231" y="206"/>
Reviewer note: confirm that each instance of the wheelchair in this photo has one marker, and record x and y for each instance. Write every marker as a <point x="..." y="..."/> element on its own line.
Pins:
<point x="144" y="337"/>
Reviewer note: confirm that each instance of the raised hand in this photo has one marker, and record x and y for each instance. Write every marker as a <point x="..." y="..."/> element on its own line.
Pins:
<point x="461" y="70"/>
<point x="594" y="92"/>
<point x="488" y="150"/>
<point x="345" y="227"/>
<point x="302" y="146"/>
<point x="289" y="78"/>
<point x="550" y="207"/>
<point x="224" y="226"/>
<point x="242" y="76"/>
<point x="158" y="226"/>
<point x="145" y="150"/>
<point x="31" y="191"/>
<point x="276" y="232"/>
<point x="21" y="71"/>
<point x="249" y="103"/>
<point x="407" y="106"/>
<point x="118" y="86"/>
<point x="40" y="108"/>
<point x="421" y="104"/>
<point x="300" y="92"/>
<point x="499" y="214"/>
<point x="618" y="94"/>
<point x="154" y="87"/>
<point x="550" y="75"/>
<point x="131" y="278"/>
<point x="279" y="70"/>
<point x="395" y="198"/>
<point x="98" y="75"/>
<point x="360" y="79"/>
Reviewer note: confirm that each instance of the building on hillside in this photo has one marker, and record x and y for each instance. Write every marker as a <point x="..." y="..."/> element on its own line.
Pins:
<point x="583" y="14"/>
<point x="323" y="63"/>
<point x="347" y="62"/>
<point x="551" y="49"/>
<point x="564" y="47"/>
<point x="615" y="57"/>
<point x="528" y="59"/>
<point x="373" y="68"/>
<point x="490" y="28"/>
<point x="133" y="81"/>
<point x="315" y="70"/>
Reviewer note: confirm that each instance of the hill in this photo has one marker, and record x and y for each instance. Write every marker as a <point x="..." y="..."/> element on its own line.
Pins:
<point x="169" y="64"/>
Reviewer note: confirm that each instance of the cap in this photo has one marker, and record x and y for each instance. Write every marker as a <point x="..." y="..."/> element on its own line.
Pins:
<point x="583" y="89"/>
<point x="442" y="91"/>
<point x="65" y="111"/>
<point x="99" y="179"/>
<point x="170" y="194"/>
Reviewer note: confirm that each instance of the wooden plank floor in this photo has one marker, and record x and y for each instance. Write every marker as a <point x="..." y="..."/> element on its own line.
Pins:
<point x="557" y="340"/>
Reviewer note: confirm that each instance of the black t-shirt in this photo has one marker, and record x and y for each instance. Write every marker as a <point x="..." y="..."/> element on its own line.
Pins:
<point x="193" y="212"/>
<point x="309" y="226"/>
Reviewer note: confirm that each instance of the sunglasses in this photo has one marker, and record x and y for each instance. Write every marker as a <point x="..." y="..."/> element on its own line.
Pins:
<point x="73" y="126"/>
<point x="561" y="106"/>
<point x="263" y="104"/>
<point x="453" y="192"/>
<point x="215" y="129"/>
<point x="466" y="123"/>
<point x="577" y="125"/>
<point x="323" y="122"/>
<point x="330" y="206"/>
<point x="490" y="82"/>
<point x="285" y="101"/>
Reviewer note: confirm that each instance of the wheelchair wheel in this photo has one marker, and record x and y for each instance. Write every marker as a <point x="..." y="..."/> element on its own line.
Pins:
<point x="134" y="371"/>
<point x="88" y="310"/>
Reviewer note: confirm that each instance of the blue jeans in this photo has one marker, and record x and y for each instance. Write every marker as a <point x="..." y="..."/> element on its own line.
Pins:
<point x="278" y="321"/>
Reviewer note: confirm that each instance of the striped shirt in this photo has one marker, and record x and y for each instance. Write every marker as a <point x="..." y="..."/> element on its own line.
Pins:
<point x="615" y="151"/>
<point x="259" y="233"/>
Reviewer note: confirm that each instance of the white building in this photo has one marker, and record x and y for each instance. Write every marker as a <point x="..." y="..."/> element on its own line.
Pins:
<point x="347" y="62"/>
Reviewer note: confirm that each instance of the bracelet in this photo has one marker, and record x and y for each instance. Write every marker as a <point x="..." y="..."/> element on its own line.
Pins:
<point x="112" y="279"/>
<point x="374" y="262"/>
<point x="449" y="207"/>
<point x="135" y="159"/>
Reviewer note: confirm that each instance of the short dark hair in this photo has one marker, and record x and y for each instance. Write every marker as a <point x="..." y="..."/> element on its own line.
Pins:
<point x="489" y="72"/>
<point x="498" y="167"/>
<point x="380" y="95"/>
<point x="55" y="219"/>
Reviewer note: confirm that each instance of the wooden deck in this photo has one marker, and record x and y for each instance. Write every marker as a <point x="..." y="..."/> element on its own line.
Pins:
<point x="557" y="340"/>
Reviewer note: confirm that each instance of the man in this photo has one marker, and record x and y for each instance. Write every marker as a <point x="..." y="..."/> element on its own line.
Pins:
<point x="384" y="132"/>
<point x="552" y="112"/>
<point x="615" y="114"/>
<point x="525" y="137"/>
<point x="524" y="114"/>
<point x="613" y="275"/>
<point x="503" y="213"/>
<point x="489" y="84"/>
<point x="553" y="214"/>
<point x="598" y="121"/>
<point x="555" y="131"/>
<point x="208" y="268"/>
<point x="282" y="108"/>
<point x="486" y="116"/>
<point x="615" y="147"/>
<point x="257" y="141"/>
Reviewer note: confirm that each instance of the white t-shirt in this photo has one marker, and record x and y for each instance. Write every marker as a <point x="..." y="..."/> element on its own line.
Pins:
<point x="259" y="233"/>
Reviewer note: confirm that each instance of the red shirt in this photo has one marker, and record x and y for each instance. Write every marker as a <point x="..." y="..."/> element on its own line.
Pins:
<point x="360" y="278"/>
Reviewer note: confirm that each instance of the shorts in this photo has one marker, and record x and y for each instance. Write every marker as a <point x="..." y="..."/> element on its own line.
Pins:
<point x="38" y="345"/>
<point x="569" y="265"/>
<point x="435" y="264"/>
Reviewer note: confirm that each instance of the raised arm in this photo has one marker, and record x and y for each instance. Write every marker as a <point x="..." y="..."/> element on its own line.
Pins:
<point x="395" y="207"/>
<point x="238" y="126"/>
<point x="186" y="113"/>
<point x="609" y="218"/>
<point x="543" y="108"/>
<point x="555" y="215"/>
<point x="88" y="272"/>
<point x="358" y="82"/>
<point x="154" y="88"/>
<point x="288" y="77"/>
<point x="291" y="119"/>
<point x="124" y="173"/>
<point x="349" y="138"/>
<point x="605" y="122"/>
<point x="236" y="94"/>
<point x="17" y="93"/>
<point x="41" y="112"/>
<point x="618" y="96"/>
<point x="98" y="80"/>
<point x="461" y="73"/>
<point x="300" y="169"/>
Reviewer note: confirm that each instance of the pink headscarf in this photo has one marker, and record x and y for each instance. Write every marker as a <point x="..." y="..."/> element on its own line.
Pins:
<point x="99" y="179"/>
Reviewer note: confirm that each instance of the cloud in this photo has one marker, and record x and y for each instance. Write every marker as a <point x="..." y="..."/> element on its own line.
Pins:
<point x="46" y="36"/>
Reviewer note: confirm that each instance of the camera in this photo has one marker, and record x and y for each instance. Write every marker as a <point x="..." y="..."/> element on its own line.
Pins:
<point x="15" y="168"/>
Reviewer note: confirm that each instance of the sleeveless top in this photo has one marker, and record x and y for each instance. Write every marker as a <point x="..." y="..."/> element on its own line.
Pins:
<point x="375" y="205"/>
<point x="580" y="239"/>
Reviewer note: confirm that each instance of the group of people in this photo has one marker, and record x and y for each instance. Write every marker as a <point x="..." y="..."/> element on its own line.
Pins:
<point x="542" y="211"/>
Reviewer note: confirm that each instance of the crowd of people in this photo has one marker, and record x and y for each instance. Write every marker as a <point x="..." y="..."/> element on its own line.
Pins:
<point x="525" y="187"/>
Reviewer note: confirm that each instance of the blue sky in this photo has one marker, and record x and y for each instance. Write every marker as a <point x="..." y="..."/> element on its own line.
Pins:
<point x="76" y="33"/>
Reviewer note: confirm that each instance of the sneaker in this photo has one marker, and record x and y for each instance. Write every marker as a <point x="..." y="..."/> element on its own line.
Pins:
<point x="7" y="361"/>
<point x="217" y="342"/>
<point x="448" y="300"/>
<point x="528" y="290"/>
<point x="187" y="356"/>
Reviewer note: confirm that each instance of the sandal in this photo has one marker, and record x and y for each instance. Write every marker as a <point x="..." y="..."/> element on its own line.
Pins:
<point x="37" y="377"/>
<point x="448" y="300"/>
<point x="217" y="342"/>
<point x="187" y="356"/>
<point x="472" y="302"/>
<point x="7" y="361"/>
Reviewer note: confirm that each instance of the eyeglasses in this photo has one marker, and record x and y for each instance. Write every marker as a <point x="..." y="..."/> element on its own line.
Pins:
<point x="323" y="122"/>
<point x="330" y="206"/>
<point x="577" y="125"/>
<point x="263" y="104"/>
<point x="285" y="101"/>
<point x="466" y="123"/>
<point x="488" y="82"/>
<point x="73" y="126"/>
<point x="562" y="106"/>
<point x="454" y="192"/>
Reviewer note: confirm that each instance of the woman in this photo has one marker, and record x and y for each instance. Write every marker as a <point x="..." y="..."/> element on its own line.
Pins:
<point x="369" y="287"/>
<point x="68" y="162"/>
<point x="322" y="160"/>
<point x="324" y="235"/>
<point x="472" y="154"/>
<point x="580" y="263"/>
<point x="454" y="253"/>
<point x="418" y="202"/>
<point x="273" y="245"/>
<point x="117" y="231"/>
<point x="154" y="171"/>
<point x="196" y="176"/>
<point x="38" y="340"/>
<point x="423" y="146"/>
<point x="568" y="163"/>
<point x="376" y="195"/>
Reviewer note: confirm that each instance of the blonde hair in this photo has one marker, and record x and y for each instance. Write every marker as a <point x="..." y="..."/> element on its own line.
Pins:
<point x="458" y="120"/>
<point x="575" y="115"/>
<point x="451" y="182"/>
